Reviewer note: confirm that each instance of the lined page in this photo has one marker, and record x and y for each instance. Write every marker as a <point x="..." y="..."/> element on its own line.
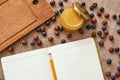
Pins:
<point x="77" y="61"/>
<point x="33" y="65"/>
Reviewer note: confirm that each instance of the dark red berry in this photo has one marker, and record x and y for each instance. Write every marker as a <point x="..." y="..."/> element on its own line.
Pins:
<point x="94" y="20"/>
<point x="50" y="39"/>
<point x="111" y="49"/>
<point x="24" y="42"/>
<point x="101" y="43"/>
<point x="104" y="22"/>
<point x="69" y="35"/>
<point x="10" y="49"/>
<point x="108" y="73"/>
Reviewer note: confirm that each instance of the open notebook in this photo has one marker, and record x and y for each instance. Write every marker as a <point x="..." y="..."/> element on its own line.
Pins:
<point x="76" y="60"/>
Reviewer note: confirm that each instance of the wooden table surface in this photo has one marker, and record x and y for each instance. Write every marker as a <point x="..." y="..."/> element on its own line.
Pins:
<point x="111" y="7"/>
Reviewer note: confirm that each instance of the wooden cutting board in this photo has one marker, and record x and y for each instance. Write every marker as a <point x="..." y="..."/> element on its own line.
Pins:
<point x="17" y="18"/>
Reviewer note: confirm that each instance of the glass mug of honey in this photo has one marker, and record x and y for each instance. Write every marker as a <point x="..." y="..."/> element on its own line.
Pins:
<point x="74" y="17"/>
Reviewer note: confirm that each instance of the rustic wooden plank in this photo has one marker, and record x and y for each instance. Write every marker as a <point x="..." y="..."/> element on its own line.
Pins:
<point x="23" y="17"/>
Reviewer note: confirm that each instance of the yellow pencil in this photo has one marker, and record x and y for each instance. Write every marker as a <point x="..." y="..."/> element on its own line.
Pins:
<point x="52" y="66"/>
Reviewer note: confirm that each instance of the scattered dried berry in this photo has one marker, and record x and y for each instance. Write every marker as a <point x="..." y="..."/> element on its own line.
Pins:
<point x="50" y="39"/>
<point x="88" y="26"/>
<point x="111" y="49"/>
<point x="35" y="37"/>
<point x="42" y="28"/>
<point x="103" y="36"/>
<point x="53" y="19"/>
<point x="113" y="78"/>
<point x="107" y="15"/>
<point x="81" y="31"/>
<point x="38" y="29"/>
<point x="114" y="16"/>
<point x="104" y="28"/>
<point x="94" y="5"/>
<point x="109" y="61"/>
<point x="39" y="42"/>
<point x="93" y="34"/>
<point x="56" y="33"/>
<point x="119" y="16"/>
<point x="101" y="43"/>
<point x="108" y="73"/>
<point x="60" y="3"/>
<point x="111" y="37"/>
<point x="69" y="35"/>
<point x="61" y="29"/>
<point x="99" y="13"/>
<point x="118" y="31"/>
<point x="24" y="42"/>
<point x="61" y="10"/>
<point x="56" y="27"/>
<point x="44" y="33"/>
<point x="63" y="41"/>
<point x="10" y="49"/>
<point x="56" y="12"/>
<point x="99" y="33"/>
<point x="93" y="26"/>
<point x="102" y="9"/>
<point x="118" y="22"/>
<point x="91" y="15"/>
<point x="117" y="49"/>
<point x="104" y="22"/>
<point x="106" y="32"/>
<point x="83" y="4"/>
<point x="117" y="74"/>
<point x="47" y="22"/>
<point x="91" y="7"/>
<point x="94" y="20"/>
<point x="52" y="2"/>
<point x="32" y="42"/>
<point x="118" y="68"/>
<point x="35" y="2"/>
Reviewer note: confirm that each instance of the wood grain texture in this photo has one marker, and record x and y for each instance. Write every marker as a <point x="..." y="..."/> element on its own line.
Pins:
<point x="111" y="6"/>
<point x="2" y="1"/>
<point x="19" y="19"/>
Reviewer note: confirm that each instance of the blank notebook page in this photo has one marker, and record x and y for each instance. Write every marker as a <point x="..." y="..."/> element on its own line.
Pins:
<point x="33" y="65"/>
<point x="77" y="61"/>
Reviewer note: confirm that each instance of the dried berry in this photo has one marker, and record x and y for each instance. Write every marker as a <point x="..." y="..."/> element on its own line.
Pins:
<point x="94" y="20"/>
<point x="35" y="37"/>
<point x="107" y="15"/>
<point x="69" y="35"/>
<point x="56" y="27"/>
<point x="42" y="28"/>
<point x="117" y="74"/>
<point x="81" y="31"/>
<point x="50" y="39"/>
<point x="52" y="2"/>
<point x="10" y="49"/>
<point x="93" y="34"/>
<point x="104" y="22"/>
<point x="53" y="19"/>
<point x="56" y="33"/>
<point x="111" y="37"/>
<point x="101" y="43"/>
<point x="39" y="42"/>
<point x="111" y="49"/>
<point x="94" y="5"/>
<point x="99" y="13"/>
<point x="108" y="73"/>
<point x="24" y="42"/>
